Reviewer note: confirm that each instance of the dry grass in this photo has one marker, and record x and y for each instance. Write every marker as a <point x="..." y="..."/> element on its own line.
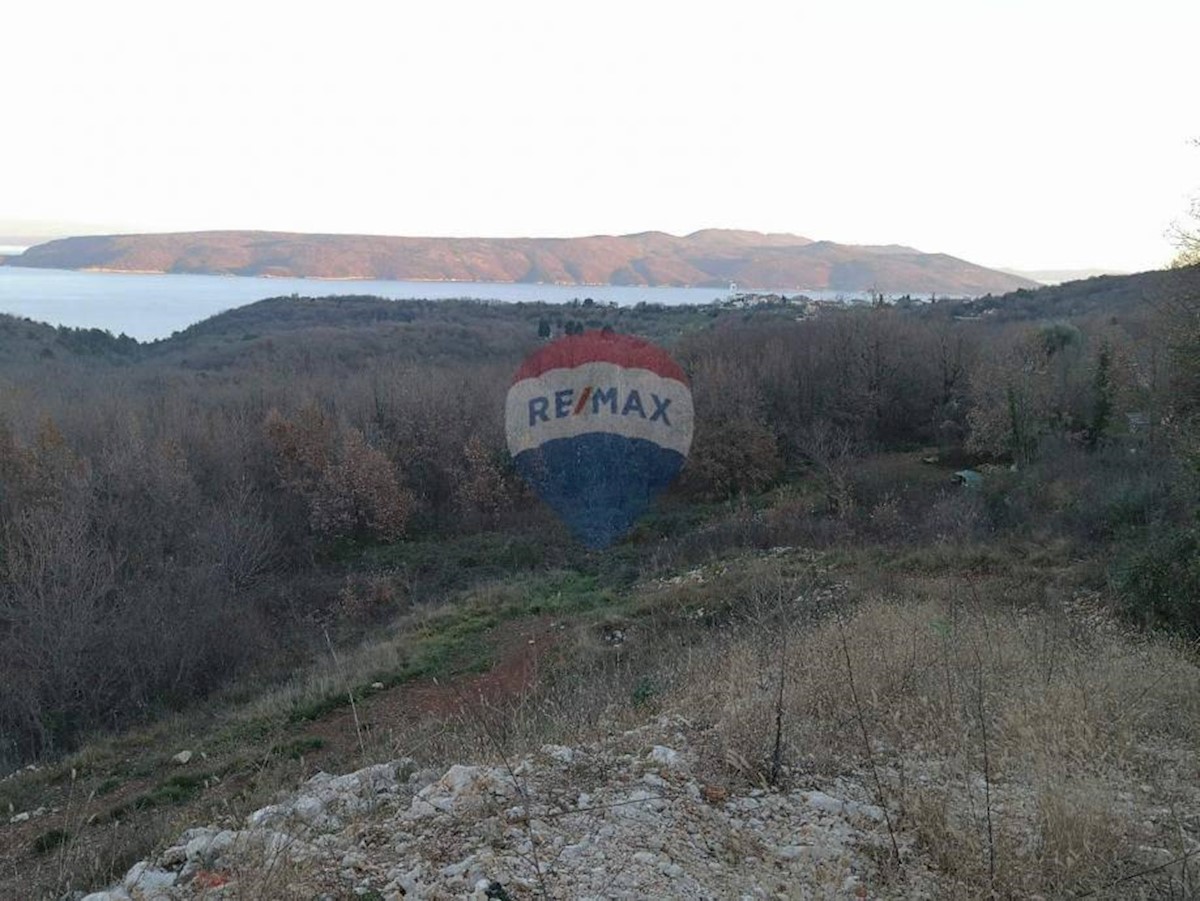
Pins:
<point x="1024" y="743"/>
<point x="1034" y="747"/>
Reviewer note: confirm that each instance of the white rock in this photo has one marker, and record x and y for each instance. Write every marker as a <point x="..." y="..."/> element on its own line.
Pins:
<point x="792" y="852"/>
<point x="144" y="878"/>
<point x="558" y="752"/>
<point x="639" y="806"/>
<point x="267" y="816"/>
<point x="665" y="756"/>
<point x="310" y="809"/>
<point x="455" y="870"/>
<point x="208" y="848"/>
<point x="574" y="852"/>
<point x="182" y="757"/>
<point x="825" y="803"/>
<point x="870" y="811"/>
<point x="378" y="779"/>
<point x="463" y="788"/>
<point x="174" y="856"/>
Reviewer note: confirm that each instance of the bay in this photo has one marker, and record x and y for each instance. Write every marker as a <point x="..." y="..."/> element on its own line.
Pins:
<point x="149" y="307"/>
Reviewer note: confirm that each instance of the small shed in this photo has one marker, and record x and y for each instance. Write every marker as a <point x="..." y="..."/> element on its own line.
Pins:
<point x="968" y="478"/>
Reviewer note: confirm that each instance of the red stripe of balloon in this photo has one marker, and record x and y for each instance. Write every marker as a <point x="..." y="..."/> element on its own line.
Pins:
<point x="587" y="392"/>
<point x="600" y="347"/>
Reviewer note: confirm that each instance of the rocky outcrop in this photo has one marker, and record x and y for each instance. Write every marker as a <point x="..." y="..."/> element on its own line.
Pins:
<point x="630" y="817"/>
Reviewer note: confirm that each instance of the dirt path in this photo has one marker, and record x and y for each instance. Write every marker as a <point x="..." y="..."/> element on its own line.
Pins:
<point x="105" y="819"/>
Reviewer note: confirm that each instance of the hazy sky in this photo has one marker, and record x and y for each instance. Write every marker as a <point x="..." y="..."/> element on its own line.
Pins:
<point x="1029" y="134"/>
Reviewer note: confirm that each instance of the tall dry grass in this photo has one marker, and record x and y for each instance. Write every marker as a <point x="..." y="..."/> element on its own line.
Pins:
<point x="1034" y="748"/>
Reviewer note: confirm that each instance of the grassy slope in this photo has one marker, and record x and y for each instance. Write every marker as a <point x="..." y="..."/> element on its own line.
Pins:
<point x="1078" y="712"/>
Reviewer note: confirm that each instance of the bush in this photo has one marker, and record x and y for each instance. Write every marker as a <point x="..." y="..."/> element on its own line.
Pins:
<point x="1158" y="580"/>
<point x="731" y="457"/>
<point x="359" y="496"/>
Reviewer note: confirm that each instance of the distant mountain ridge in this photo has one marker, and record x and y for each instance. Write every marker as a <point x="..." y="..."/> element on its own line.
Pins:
<point x="707" y="258"/>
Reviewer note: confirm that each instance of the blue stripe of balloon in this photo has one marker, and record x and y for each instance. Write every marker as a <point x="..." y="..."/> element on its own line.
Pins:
<point x="599" y="483"/>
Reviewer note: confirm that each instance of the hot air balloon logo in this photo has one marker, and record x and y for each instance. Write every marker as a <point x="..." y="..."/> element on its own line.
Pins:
<point x="599" y="424"/>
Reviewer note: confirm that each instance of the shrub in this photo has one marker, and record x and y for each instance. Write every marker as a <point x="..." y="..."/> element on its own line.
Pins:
<point x="731" y="457"/>
<point x="359" y="496"/>
<point x="483" y="489"/>
<point x="1158" y="580"/>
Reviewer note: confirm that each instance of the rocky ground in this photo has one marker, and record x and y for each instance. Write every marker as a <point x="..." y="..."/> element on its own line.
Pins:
<point x="630" y="817"/>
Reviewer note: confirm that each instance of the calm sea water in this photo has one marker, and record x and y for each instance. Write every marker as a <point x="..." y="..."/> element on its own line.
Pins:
<point x="148" y="307"/>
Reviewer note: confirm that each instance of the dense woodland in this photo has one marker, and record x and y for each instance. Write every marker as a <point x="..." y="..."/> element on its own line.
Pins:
<point x="177" y="513"/>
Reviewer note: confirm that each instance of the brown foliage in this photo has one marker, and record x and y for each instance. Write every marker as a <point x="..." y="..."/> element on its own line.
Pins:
<point x="209" y="478"/>
<point x="483" y="489"/>
<point x="358" y="495"/>
<point x="737" y="455"/>
<point x="351" y="489"/>
<point x="303" y="446"/>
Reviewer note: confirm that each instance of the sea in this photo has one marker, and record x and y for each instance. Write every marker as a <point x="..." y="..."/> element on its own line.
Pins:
<point x="150" y="307"/>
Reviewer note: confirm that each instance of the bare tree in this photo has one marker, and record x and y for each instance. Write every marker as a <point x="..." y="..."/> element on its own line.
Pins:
<point x="1185" y="234"/>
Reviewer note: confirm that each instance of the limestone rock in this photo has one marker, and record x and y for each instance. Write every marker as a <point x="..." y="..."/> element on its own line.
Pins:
<point x="464" y="788"/>
<point x="618" y="818"/>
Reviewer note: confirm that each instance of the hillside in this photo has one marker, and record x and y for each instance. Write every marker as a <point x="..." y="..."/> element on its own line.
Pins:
<point x="708" y="258"/>
<point x="1111" y="295"/>
<point x="290" y="541"/>
<point x="617" y="741"/>
<point x="1058" y="276"/>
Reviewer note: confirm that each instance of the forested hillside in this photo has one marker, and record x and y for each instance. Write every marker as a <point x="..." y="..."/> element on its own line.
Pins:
<point x="205" y="516"/>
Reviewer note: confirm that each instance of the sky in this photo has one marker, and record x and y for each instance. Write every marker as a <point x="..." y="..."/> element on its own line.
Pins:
<point x="1047" y="134"/>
